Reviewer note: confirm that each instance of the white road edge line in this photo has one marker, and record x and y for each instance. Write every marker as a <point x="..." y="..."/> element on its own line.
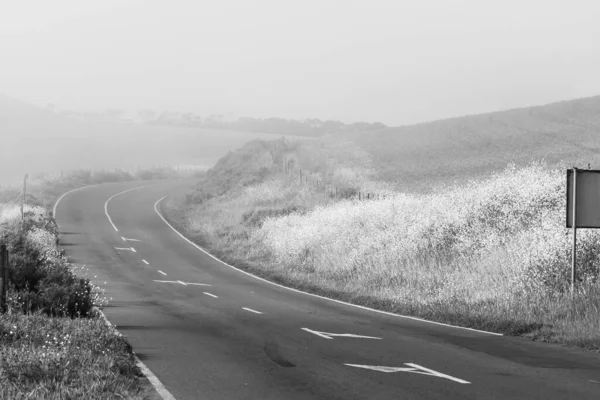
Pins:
<point x="112" y="197"/>
<point x="145" y="262"/>
<point x="211" y="295"/>
<point x="251" y="310"/>
<point x="158" y="386"/>
<point x="312" y="294"/>
<point x="162" y="272"/>
<point x="64" y="194"/>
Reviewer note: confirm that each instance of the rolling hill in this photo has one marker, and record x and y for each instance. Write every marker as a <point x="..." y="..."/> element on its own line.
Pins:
<point x="418" y="157"/>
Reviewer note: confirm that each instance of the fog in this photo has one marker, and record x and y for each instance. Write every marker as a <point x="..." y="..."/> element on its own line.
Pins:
<point x="390" y="61"/>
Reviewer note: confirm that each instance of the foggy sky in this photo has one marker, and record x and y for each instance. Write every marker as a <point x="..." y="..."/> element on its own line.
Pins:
<point x="393" y="61"/>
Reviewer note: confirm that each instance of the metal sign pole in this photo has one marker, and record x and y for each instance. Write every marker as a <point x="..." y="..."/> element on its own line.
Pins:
<point x="574" y="224"/>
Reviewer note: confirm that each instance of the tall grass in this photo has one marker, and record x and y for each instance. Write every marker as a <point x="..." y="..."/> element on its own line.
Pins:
<point x="492" y="254"/>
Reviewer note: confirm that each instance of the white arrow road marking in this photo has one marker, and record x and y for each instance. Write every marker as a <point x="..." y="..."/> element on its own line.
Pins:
<point x="180" y="282"/>
<point x="129" y="240"/>
<point x="382" y="368"/>
<point x="317" y="333"/>
<point x="416" y="369"/>
<point x="251" y="310"/>
<point x="126" y="248"/>
<point x="328" y="335"/>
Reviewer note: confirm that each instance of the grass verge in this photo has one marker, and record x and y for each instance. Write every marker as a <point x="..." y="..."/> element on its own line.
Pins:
<point x="64" y="358"/>
<point x="53" y="343"/>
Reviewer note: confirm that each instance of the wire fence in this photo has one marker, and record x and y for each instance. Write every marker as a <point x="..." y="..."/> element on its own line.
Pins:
<point x="286" y="163"/>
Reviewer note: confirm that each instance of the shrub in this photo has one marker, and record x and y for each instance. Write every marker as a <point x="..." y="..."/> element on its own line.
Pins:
<point x="40" y="277"/>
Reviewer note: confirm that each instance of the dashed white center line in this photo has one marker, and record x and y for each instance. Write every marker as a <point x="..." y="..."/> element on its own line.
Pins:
<point x="132" y="249"/>
<point x="211" y="295"/>
<point x="251" y="310"/>
<point x="146" y="262"/>
<point x="162" y="272"/>
<point x="183" y="283"/>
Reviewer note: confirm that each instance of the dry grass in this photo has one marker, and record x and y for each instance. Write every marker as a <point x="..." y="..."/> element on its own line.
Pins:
<point x="491" y="255"/>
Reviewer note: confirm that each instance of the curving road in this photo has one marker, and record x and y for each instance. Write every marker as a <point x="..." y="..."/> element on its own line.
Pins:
<point x="209" y="331"/>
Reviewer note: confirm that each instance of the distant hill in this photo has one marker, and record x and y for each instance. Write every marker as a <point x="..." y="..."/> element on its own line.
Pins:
<point x="419" y="156"/>
<point x="34" y="140"/>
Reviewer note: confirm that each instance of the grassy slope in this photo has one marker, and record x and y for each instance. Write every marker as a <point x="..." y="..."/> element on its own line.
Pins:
<point x="232" y="225"/>
<point x="479" y="257"/>
<point x="419" y="156"/>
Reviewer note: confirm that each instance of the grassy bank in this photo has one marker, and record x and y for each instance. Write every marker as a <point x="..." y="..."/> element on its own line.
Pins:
<point x="53" y="345"/>
<point x="492" y="254"/>
<point x="64" y="358"/>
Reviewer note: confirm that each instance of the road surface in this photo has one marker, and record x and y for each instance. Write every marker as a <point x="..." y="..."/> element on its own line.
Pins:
<point x="208" y="331"/>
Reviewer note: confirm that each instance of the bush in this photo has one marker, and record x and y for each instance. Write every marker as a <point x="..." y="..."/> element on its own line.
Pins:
<point x="41" y="279"/>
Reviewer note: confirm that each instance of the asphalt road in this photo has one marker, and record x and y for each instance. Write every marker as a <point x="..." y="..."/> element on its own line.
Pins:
<point x="208" y="331"/>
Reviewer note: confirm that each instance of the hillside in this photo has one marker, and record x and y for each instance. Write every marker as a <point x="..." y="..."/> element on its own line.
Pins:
<point x="492" y="255"/>
<point x="420" y="156"/>
<point x="36" y="140"/>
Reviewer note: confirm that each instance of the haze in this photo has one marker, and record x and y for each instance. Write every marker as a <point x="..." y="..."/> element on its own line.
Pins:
<point x="396" y="62"/>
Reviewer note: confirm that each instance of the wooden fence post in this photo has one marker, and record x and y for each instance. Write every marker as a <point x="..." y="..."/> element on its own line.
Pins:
<point x="3" y="277"/>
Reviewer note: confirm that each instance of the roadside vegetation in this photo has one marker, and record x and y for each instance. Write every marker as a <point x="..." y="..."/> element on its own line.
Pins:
<point x="491" y="254"/>
<point x="53" y="343"/>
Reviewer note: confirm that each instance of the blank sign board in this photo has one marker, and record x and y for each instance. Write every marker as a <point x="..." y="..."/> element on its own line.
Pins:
<point x="588" y="198"/>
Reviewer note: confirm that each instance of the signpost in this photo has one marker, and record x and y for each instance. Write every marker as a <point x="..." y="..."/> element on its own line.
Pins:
<point x="583" y="208"/>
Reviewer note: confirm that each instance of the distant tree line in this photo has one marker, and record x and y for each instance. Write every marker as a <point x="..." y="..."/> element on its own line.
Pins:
<point x="279" y="126"/>
<point x="307" y="127"/>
